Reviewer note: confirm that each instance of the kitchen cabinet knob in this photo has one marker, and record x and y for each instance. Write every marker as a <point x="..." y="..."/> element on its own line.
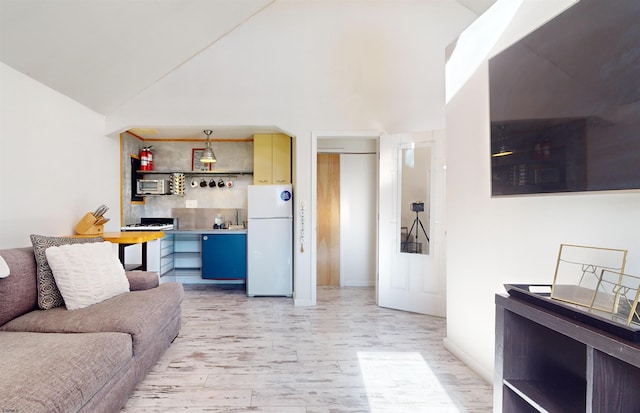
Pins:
<point x="204" y="238"/>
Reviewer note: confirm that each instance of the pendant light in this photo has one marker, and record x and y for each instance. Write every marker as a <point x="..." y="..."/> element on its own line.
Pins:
<point x="207" y="155"/>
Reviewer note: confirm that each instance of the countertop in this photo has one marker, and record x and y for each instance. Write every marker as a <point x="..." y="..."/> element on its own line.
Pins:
<point x="207" y="231"/>
<point x="126" y="237"/>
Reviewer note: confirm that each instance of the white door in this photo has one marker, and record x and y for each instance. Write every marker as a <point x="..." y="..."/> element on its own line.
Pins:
<point x="411" y="223"/>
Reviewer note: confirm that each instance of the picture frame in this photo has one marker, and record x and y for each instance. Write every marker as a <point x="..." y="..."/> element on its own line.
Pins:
<point x="196" y="165"/>
<point x="578" y="271"/>
<point x="574" y="312"/>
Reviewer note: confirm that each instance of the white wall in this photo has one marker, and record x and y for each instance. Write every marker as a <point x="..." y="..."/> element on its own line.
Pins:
<point x="309" y="66"/>
<point x="492" y="241"/>
<point x="55" y="162"/>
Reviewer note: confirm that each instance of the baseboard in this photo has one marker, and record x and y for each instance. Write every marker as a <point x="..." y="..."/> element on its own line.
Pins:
<point x="303" y="303"/>
<point x="485" y="374"/>
<point x="194" y="279"/>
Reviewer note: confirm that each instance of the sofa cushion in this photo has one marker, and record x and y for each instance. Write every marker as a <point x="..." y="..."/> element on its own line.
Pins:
<point x="48" y="294"/>
<point x="87" y="274"/>
<point x="57" y="372"/>
<point x="18" y="291"/>
<point x="142" y="280"/>
<point x="139" y="313"/>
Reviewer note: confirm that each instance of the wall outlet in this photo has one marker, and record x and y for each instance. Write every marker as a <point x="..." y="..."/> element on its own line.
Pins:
<point x="192" y="203"/>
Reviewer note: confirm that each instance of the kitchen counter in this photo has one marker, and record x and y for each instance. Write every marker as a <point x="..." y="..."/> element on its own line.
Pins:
<point x="198" y="252"/>
<point x="206" y="231"/>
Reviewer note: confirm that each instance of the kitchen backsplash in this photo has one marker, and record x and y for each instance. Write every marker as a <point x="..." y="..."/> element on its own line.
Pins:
<point x="203" y="218"/>
<point x="232" y="156"/>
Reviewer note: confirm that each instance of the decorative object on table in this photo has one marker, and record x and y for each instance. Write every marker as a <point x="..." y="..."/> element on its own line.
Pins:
<point x="93" y="222"/>
<point x="538" y="294"/>
<point x="578" y="271"/>
<point x="218" y="222"/>
<point x="617" y="295"/>
<point x="590" y="286"/>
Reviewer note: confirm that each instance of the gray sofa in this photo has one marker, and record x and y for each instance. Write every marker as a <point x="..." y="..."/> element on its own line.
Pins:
<point x="85" y="360"/>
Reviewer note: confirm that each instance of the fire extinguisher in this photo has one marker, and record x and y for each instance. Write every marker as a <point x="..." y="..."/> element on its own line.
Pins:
<point x="149" y="158"/>
<point x="144" y="160"/>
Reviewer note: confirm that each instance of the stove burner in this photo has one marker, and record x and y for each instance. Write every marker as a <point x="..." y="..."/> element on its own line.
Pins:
<point x="152" y="224"/>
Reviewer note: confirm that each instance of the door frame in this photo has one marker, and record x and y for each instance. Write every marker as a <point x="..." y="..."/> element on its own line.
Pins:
<point x="314" y="197"/>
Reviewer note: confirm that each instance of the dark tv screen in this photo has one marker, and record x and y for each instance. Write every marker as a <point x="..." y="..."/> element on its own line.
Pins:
<point x="565" y="103"/>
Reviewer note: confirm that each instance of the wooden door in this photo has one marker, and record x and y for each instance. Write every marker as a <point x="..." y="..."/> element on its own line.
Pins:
<point x="328" y="233"/>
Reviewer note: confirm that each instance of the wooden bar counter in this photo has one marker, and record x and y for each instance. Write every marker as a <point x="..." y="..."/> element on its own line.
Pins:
<point x="126" y="238"/>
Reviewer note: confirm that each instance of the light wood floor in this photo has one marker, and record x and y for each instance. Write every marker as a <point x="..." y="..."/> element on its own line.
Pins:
<point x="239" y="354"/>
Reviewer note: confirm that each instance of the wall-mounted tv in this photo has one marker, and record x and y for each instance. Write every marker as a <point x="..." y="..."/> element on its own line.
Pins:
<point x="565" y="103"/>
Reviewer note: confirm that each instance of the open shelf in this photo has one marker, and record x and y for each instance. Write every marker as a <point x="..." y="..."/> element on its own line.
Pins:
<point x="536" y="393"/>
<point x="197" y="173"/>
<point x="187" y="253"/>
<point x="548" y="362"/>
<point x="615" y="373"/>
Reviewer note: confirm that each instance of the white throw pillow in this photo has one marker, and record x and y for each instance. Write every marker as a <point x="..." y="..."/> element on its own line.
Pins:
<point x="87" y="274"/>
<point x="4" y="268"/>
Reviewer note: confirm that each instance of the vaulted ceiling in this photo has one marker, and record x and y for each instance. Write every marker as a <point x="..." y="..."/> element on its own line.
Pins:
<point x="102" y="53"/>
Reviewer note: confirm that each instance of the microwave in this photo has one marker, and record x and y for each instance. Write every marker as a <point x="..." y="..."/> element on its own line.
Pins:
<point x="153" y="187"/>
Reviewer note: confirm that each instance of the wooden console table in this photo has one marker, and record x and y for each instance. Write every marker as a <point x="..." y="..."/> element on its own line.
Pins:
<point x="126" y="238"/>
<point x="545" y="362"/>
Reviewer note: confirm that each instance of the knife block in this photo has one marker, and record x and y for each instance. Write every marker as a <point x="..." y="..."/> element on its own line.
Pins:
<point x="87" y="226"/>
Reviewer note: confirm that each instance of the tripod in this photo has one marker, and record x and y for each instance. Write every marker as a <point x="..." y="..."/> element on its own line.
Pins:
<point x="415" y="224"/>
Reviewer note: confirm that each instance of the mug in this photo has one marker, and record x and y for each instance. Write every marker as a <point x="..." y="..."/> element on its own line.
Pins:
<point x="220" y="183"/>
<point x="194" y="183"/>
<point x="203" y="183"/>
<point x="229" y="184"/>
<point x="212" y="183"/>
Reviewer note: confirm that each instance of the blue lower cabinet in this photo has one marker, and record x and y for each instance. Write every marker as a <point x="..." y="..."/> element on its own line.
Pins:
<point x="224" y="256"/>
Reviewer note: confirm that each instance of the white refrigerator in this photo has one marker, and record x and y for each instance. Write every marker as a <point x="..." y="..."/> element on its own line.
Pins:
<point x="270" y="240"/>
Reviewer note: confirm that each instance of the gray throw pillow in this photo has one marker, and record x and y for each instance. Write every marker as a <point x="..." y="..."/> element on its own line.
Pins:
<point x="48" y="294"/>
